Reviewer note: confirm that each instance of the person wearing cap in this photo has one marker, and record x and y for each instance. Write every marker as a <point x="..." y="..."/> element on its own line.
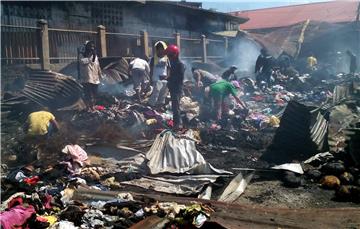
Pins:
<point x="139" y="70"/>
<point x="175" y="82"/>
<point x="159" y="71"/>
<point x="90" y="73"/>
<point x="219" y="91"/>
<point x="229" y="74"/>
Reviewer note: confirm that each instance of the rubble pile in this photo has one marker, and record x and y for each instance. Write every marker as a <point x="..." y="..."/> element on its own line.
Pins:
<point x="90" y="174"/>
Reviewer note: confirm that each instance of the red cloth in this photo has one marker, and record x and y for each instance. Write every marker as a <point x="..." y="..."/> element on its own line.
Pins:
<point x="47" y="201"/>
<point x="99" y="107"/>
<point x="170" y="123"/>
<point x="16" y="201"/>
<point x="258" y="98"/>
<point x="16" y="217"/>
<point x="41" y="219"/>
<point x="32" y="180"/>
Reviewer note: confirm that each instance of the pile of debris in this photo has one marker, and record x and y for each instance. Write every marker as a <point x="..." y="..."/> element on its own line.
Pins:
<point x="90" y="174"/>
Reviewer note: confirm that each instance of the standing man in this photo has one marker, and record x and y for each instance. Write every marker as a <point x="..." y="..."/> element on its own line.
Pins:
<point x="159" y="71"/>
<point x="175" y="81"/>
<point x="139" y="70"/>
<point x="353" y="65"/>
<point x="263" y="67"/>
<point x="90" y="73"/>
<point x="229" y="74"/>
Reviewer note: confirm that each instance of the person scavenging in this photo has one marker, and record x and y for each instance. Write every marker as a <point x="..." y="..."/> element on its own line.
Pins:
<point x="139" y="70"/>
<point x="175" y="82"/>
<point x="229" y="74"/>
<point x="218" y="93"/>
<point x="90" y="73"/>
<point x="159" y="72"/>
<point x="203" y="78"/>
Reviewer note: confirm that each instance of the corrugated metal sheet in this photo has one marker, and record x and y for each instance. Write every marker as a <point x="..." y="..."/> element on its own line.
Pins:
<point x="178" y="155"/>
<point x="340" y="92"/>
<point x="332" y="12"/>
<point x="353" y="143"/>
<point x="301" y="134"/>
<point x="287" y="39"/>
<point x="116" y="71"/>
<point x="52" y="89"/>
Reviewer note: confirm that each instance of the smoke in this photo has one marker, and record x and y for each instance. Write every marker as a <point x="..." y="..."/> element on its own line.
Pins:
<point x="244" y="54"/>
<point x="117" y="89"/>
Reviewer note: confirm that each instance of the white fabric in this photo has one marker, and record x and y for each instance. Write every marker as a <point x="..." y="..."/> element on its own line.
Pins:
<point x="90" y="71"/>
<point x="160" y="69"/>
<point x="158" y="95"/>
<point x="293" y="167"/>
<point x="140" y="64"/>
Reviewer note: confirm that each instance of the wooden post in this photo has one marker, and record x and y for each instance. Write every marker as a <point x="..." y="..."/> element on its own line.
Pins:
<point x="102" y="40"/>
<point x="226" y="46"/>
<point x="43" y="39"/>
<point x="177" y="40"/>
<point x="144" y="43"/>
<point x="203" y="42"/>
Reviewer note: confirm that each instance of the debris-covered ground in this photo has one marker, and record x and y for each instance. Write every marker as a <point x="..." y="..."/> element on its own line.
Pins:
<point x="108" y="167"/>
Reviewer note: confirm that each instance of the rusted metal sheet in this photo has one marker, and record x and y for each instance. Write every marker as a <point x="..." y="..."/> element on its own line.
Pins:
<point x="116" y="71"/>
<point x="44" y="89"/>
<point x="52" y="89"/>
<point x="301" y="134"/>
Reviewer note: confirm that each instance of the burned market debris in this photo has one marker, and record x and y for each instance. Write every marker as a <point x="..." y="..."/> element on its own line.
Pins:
<point x="137" y="156"/>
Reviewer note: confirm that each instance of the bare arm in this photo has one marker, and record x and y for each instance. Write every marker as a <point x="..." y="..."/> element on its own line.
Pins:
<point x="241" y="103"/>
<point x="56" y="124"/>
<point x="197" y="77"/>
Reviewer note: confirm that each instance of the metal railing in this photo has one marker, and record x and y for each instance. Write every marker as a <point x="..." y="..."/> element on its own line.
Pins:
<point x="45" y="46"/>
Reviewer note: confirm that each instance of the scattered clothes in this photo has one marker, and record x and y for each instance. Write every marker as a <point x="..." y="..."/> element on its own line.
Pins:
<point x="16" y="216"/>
<point x="77" y="158"/>
<point x="63" y="225"/>
<point x="51" y="219"/>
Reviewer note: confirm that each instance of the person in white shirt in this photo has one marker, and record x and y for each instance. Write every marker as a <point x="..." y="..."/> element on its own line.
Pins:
<point x="139" y="71"/>
<point x="159" y="67"/>
<point x="90" y="73"/>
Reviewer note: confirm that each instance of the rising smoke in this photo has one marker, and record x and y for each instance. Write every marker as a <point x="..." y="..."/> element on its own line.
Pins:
<point x="243" y="54"/>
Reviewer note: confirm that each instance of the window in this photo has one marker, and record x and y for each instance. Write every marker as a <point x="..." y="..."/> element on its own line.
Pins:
<point x="106" y="14"/>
